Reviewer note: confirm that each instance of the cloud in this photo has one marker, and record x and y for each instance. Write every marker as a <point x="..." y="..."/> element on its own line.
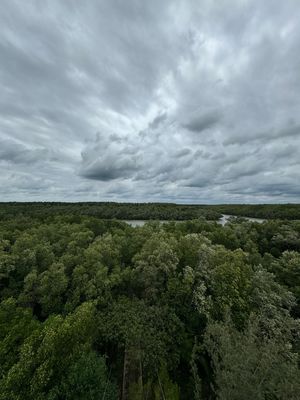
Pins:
<point x="16" y="153"/>
<point x="204" y="121"/>
<point x="192" y="101"/>
<point x="157" y="121"/>
<point x="182" y="153"/>
<point x="105" y="169"/>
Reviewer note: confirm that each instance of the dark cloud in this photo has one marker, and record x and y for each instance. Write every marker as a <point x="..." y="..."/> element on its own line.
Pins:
<point x="16" y="153"/>
<point x="182" y="153"/>
<point x="106" y="169"/>
<point x="193" y="101"/>
<point x="157" y="121"/>
<point x="204" y="121"/>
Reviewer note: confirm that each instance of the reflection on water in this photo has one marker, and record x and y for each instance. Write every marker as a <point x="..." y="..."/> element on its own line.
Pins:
<point x="222" y="220"/>
<point x="226" y="217"/>
<point x="136" y="222"/>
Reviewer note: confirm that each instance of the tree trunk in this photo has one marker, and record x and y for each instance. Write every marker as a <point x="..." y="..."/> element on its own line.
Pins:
<point x="132" y="386"/>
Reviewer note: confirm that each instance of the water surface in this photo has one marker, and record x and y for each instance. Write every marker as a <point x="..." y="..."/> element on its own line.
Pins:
<point x="223" y="220"/>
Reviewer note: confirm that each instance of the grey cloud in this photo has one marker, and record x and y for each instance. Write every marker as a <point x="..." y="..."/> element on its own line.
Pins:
<point x="158" y="120"/>
<point x="204" y="121"/>
<point x="289" y="131"/>
<point x="115" y="138"/>
<point x="106" y="169"/>
<point x="209" y="156"/>
<point x="194" y="101"/>
<point x="109" y="158"/>
<point x="182" y="153"/>
<point x="199" y="181"/>
<point x="242" y="169"/>
<point x="16" y="153"/>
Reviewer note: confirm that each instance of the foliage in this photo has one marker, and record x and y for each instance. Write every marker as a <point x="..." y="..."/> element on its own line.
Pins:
<point x="249" y="365"/>
<point x="93" y="308"/>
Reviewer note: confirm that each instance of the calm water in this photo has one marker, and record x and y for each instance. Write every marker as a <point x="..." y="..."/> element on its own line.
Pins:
<point x="226" y="217"/>
<point x="222" y="220"/>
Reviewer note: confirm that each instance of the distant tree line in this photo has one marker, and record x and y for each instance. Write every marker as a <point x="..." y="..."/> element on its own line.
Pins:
<point x="150" y="211"/>
<point x="265" y="211"/>
<point x="110" y="210"/>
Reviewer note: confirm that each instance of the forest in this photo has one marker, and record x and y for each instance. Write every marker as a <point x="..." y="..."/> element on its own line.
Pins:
<point x="93" y="308"/>
<point x="123" y="211"/>
<point x="153" y="211"/>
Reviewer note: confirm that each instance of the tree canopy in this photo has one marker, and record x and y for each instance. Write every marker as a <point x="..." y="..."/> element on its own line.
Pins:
<point x="94" y="308"/>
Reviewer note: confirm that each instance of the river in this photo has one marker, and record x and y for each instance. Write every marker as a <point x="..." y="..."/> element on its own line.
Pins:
<point x="223" y="220"/>
<point x="226" y="217"/>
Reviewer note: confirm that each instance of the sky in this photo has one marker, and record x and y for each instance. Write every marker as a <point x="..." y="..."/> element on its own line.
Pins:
<point x="172" y="101"/>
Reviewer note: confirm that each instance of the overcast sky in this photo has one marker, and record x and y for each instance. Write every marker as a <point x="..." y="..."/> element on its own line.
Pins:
<point x="181" y="101"/>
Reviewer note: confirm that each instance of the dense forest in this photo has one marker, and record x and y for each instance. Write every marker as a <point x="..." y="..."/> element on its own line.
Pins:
<point x="94" y="308"/>
<point x="147" y="211"/>
<point x="267" y="211"/>
<point x="124" y="211"/>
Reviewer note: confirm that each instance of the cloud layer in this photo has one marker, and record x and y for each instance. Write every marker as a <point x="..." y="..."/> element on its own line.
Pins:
<point x="181" y="101"/>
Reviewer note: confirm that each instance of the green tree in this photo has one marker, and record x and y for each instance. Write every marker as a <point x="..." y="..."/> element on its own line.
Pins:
<point x="50" y="360"/>
<point x="155" y="264"/>
<point x="16" y="325"/>
<point x="250" y="366"/>
<point x="287" y="271"/>
<point x="52" y="285"/>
